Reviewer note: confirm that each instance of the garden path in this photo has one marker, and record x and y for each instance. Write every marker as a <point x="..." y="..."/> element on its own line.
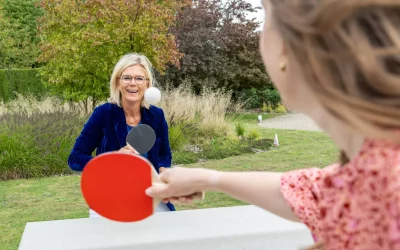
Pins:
<point x="293" y="121"/>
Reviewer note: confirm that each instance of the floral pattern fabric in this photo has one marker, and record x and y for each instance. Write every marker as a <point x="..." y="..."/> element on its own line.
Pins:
<point x="355" y="206"/>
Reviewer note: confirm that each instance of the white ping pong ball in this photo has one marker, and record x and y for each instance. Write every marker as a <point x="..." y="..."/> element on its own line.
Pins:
<point x="152" y="95"/>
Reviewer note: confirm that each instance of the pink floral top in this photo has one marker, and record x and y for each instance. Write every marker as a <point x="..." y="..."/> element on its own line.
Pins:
<point x="356" y="206"/>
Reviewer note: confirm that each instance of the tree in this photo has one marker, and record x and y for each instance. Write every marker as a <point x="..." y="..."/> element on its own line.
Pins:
<point x="6" y="42"/>
<point x="19" y="28"/>
<point x="82" y="41"/>
<point x="220" y="47"/>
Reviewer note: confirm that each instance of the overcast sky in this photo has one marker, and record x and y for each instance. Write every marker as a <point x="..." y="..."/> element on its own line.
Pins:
<point x="260" y="14"/>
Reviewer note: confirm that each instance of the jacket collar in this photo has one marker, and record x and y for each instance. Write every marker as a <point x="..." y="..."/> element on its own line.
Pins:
<point x="121" y="126"/>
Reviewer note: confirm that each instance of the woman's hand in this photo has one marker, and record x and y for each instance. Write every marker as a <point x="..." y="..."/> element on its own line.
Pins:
<point x="128" y="150"/>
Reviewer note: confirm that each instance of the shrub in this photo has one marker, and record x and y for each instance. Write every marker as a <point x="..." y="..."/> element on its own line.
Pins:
<point x="271" y="96"/>
<point x="281" y="109"/>
<point x="180" y="132"/>
<point x="221" y="147"/>
<point x="239" y="129"/>
<point x="207" y="113"/>
<point x="255" y="98"/>
<point x="266" y="108"/>
<point x="37" y="145"/>
<point x="254" y="134"/>
<point x="36" y="136"/>
<point x="30" y="105"/>
<point x="22" y="81"/>
<point x="217" y="108"/>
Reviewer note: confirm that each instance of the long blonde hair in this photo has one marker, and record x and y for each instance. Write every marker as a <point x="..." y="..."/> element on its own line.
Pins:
<point x="350" y="56"/>
<point x="124" y="62"/>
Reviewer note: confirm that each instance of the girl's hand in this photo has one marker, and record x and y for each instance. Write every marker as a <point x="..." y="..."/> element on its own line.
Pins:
<point x="180" y="183"/>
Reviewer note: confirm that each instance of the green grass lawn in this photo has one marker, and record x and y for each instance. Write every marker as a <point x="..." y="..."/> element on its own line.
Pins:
<point x="57" y="198"/>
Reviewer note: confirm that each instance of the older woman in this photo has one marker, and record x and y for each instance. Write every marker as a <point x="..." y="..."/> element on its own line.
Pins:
<point x="109" y="124"/>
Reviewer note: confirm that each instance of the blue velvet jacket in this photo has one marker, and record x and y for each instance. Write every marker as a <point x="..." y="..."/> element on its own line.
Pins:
<point x="106" y="131"/>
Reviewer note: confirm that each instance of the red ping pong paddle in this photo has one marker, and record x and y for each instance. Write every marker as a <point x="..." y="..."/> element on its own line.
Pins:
<point x="113" y="184"/>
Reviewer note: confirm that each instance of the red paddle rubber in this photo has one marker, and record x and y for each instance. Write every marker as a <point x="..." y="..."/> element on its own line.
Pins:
<point x="114" y="184"/>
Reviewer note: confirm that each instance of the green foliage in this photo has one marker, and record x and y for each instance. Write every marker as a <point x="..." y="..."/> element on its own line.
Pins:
<point x="176" y="137"/>
<point x="281" y="109"/>
<point x="82" y="41"/>
<point x="184" y="157"/>
<point x="265" y="108"/>
<point x="181" y="129"/>
<point x="220" y="46"/>
<point x="60" y="198"/>
<point x="254" y="134"/>
<point x="22" y="81"/>
<point x="37" y="145"/>
<point x="220" y="148"/>
<point x="255" y="98"/>
<point x="203" y="115"/>
<point x="6" y="41"/>
<point x="37" y="136"/>
<point x="19" y="29"/>
<point x="239" y="128"/>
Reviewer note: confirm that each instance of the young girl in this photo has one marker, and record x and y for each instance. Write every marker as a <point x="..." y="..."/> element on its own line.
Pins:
<point x="339" y="62"/>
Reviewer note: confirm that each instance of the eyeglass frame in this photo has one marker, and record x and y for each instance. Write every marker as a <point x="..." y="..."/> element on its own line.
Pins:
<point x="133" y="78"/>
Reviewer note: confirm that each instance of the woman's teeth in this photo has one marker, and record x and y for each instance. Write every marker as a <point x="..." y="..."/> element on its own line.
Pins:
<point x="132" y="91"/>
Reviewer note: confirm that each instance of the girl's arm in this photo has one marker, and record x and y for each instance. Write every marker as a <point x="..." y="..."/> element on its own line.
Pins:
<point x="259" y="188"/>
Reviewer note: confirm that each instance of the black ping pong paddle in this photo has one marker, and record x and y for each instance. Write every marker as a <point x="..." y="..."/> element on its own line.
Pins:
<point x="141" y="137"/>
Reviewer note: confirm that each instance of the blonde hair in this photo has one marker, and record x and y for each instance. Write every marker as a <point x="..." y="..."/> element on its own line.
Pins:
<point x="124" y="62"/>
<point x="350" y="56"/>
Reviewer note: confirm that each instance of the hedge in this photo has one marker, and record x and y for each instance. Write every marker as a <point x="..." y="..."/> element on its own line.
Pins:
<point x="22" y="81"/>
<point x="257" y="97"/>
